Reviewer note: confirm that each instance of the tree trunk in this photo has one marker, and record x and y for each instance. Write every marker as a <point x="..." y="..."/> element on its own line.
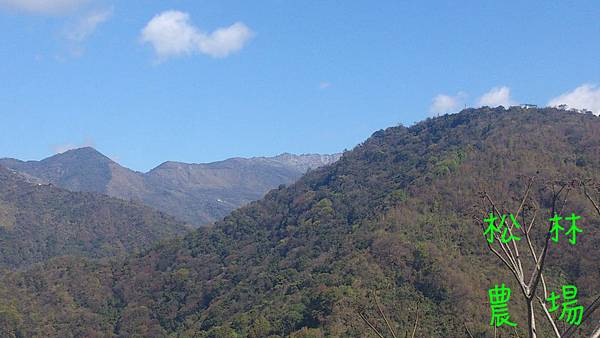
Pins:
<point x="596" y="333"/>
<point x="531" y="319"/>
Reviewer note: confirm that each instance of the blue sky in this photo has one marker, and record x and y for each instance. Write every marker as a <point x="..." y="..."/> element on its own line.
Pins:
<point x="197" y="81"/>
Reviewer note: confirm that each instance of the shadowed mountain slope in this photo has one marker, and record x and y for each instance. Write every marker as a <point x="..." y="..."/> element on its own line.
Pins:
<point x="196" y="193"/>
<point x="392" y="217"/>
<point x="38" y="222"/>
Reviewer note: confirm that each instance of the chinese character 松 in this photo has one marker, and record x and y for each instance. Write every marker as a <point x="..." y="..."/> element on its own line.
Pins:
<point x="492" y="229"/>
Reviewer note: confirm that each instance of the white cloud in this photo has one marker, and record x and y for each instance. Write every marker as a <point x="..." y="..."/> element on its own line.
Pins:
<point x="225" y="41"/>
<point x="172" y="34"/>
<point x="497" y="96"/>
<point x="44" y="7"/>
<point x="443" y="103"/>
<point x="324" y="85"/>
<point x="586" y="96"/>
<point x="87" y="25"/>
<point x="78" y="26"/>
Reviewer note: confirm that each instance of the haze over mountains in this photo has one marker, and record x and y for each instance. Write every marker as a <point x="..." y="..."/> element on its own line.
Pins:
<point x="196" y="193"/>
<point x="392" y="218"/>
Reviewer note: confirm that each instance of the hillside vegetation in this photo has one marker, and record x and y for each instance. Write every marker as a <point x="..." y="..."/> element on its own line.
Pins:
<point x="393" y="217"/>
<point x="38" y="222"/>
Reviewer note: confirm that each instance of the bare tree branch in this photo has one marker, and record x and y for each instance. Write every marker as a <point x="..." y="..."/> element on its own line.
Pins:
<point x="506" y="263"/>
<point x="370" y="325"/>
<point x="468" y="331"/>
<point x="416" y="321"/>
<point x="586" y="314"/>
<point x="587" y="194"/>
<point x="525" y="195"/>
<point x="511" y="258"/>
<point x="596" y="333"/>
<point x="549" y="317"/>
<point x="514" y="260"/>
<point x="540" y="265"/>
<point x="382" y="314"/>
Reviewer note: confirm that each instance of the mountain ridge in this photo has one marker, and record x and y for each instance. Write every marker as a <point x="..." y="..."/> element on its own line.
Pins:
<point x="303" y="159"/>
<point x="198" y="193"/>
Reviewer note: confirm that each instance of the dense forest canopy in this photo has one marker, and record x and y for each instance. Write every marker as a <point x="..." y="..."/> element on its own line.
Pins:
<point x="40" y="221"/>
<point x="393" y="218"/>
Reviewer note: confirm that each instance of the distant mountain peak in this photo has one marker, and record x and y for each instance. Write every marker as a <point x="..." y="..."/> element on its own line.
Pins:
<point x="81" y="169"/>
<point x="89" y="149"/>
<point x="83" y="153"/>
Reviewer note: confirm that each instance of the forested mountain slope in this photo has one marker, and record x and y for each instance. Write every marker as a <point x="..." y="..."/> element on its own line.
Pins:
<point x="38" y="222"/>
<point x="392" y="217"/>
<point x="196" y="193"/>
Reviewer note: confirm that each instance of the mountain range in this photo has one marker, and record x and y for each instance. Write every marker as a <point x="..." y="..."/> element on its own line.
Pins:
<point x="388" y="228"/>
<point x="195" y="193"/>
